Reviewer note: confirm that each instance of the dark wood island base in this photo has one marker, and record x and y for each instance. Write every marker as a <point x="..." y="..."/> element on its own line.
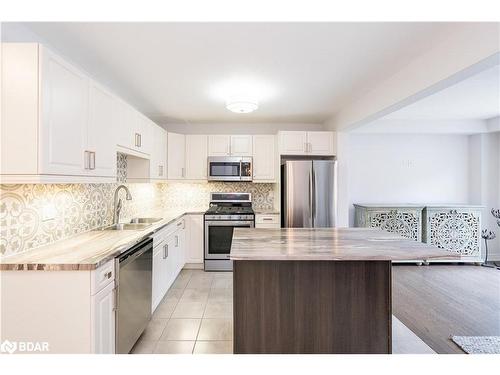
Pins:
<point x="301" y="306"/>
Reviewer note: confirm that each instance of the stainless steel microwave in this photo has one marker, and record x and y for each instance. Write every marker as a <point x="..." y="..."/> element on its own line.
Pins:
<point x="229" y="168"/>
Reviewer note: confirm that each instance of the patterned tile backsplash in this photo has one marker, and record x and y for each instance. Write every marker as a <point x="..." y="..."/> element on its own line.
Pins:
<point x="33" y="215"/>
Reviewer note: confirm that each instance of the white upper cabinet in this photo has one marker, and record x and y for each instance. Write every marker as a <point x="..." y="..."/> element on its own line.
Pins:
<point x="293" y="142"/>
<point x="241" y="145"/>
<point x="101" y="143"/>
<point x="229" y="145"/>
<point x="196" y="157"/>
<point x="264" y="158"/>
<point x="123" y="123"/>
<point x="321" y="143"/>
<point x="57" y="123"/>
<point x="307" y="143"/>
<point x="158" y="158"/>
<point x="176" y="156"/>
<point x="219" y="145"/>
<point x="64" y="117"/>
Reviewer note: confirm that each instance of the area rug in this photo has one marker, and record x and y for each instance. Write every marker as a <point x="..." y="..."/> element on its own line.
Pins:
<point x="478" y="344"/>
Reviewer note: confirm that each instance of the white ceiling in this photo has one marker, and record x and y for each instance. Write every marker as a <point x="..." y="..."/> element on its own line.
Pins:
<point x="303" y="72"/>
<point x="475" y="98"/>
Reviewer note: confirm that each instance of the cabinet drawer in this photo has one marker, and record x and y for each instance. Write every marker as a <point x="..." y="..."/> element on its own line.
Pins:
<point x="267" y="219"/>
<point x="102" y="276"/>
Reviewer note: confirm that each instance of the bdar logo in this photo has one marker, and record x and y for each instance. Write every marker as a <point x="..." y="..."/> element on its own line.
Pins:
<point x="8" y="347"/>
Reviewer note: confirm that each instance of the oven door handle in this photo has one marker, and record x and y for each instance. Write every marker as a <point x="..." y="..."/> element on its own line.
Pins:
<point x="227" y="223"/>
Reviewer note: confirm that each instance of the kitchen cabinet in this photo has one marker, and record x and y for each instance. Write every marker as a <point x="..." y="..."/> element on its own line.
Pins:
<point x="267" y="221"/>
<point x="219" y="145"/>
<point x="196" y="157"/>
<point x="57" y="122"/>
<point x="241" y="145"/>
<point x="101" y="132"/>
<point x="307" y="143"/>
<point x="103" y="320"/>
<point x="229" y="145"/>
<point x="176" y="158"/>
<point x="194" y="240"/>
<point x="158" y="156"/>
<point x="74" y="311"/>
<point x="264" y="158"/>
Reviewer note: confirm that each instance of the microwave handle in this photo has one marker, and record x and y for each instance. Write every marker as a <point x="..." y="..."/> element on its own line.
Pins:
<point x="241" y="169"/>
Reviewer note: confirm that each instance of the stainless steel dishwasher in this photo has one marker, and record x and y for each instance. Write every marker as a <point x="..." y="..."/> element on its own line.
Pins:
<point x="134" y="272"/>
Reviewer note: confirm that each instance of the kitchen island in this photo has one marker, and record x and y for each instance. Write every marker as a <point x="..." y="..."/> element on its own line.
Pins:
<point x="320" y="290"/>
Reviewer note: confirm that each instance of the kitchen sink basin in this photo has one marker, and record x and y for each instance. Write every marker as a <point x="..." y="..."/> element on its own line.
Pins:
<point x="145" y="220"/>
<point x="133" y="226"/>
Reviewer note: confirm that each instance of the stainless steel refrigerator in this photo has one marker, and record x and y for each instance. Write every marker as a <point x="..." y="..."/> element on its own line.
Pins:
<point x="308" y="193"/>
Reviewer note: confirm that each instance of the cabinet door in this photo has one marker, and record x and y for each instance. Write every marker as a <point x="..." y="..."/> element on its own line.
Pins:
<point x="194" y="239"/>
<point x="241" y="145"/>
<point x="64" y="117"/>
<point x="219" y="145"/>
<point x="293" y="142"/>
<point x="320" y="143"/>
<point x="264" y="158"/>
<point x="176" y="155"/>
<point x="123" y="122"/>
<point x="158" y="277"/>
<point x="196" y="157"/>
<point x="170" y="262"/>
<point x="143" y="133"/>
<point x="158" y="155"/>
<point x="103" y="321"/>
<point x="101" y="141"/>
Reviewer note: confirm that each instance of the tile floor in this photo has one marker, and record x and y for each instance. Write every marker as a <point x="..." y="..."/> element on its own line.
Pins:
<point x="196" y="317"/>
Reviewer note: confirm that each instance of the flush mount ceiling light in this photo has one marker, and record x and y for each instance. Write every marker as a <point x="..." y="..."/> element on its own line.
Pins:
<point x="241" y="106"/>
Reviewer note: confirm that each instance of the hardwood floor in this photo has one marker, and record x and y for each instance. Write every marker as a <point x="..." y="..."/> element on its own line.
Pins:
<point x="439" y="301"/>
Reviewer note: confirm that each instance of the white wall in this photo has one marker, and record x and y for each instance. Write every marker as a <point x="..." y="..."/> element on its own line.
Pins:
<point x="392" y="168"/>
<point x="484" y="181"/>
<point x="239" y="128"/>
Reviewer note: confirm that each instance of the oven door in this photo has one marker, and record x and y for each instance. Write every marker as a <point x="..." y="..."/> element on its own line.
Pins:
<point x="224" y="169"/>
<point x="219" y="236"/>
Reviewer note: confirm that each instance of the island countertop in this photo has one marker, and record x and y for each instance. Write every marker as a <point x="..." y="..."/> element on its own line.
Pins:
<point x="338" y="244"/>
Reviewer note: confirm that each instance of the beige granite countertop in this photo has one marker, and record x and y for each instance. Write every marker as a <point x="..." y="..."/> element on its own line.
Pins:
<point x="329" y="244"/>
<point x="88" y="250"/>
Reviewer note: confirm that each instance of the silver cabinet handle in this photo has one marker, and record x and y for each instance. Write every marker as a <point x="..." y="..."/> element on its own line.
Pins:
<point x="115" y="300"/>
<point x="305" y="146"/>
<point x="107" y="275"/>
<point x="165" y="251"/>
<point x="182" y="172"/>
<point x="86" y="159"/>
<point x="179" y="223"/>
<point x="176" y="241"/>
<point x="92" y="160"/>
<point x="140" y="140"/>
<point x="137" y="140"/>
<point x="160" y="170"/>
<point x="267" y="218"/>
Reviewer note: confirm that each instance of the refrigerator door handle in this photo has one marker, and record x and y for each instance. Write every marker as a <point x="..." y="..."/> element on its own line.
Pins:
<point x="311" y="196"/>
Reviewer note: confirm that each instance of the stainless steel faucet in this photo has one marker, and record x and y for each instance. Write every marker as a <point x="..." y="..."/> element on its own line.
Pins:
<point x="117" y="203"/>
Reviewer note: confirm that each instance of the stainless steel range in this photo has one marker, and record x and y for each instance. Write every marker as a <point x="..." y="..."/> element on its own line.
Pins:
<point x="227" y="211"/>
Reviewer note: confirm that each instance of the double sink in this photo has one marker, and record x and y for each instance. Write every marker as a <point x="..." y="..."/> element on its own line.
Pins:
<point x="137" y="223"/>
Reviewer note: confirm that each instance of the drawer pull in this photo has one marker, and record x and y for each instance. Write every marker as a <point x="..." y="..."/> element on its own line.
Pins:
<point x="179" y="223"/>
<point x="108" y="275"/>
<point x="267" y="218"/>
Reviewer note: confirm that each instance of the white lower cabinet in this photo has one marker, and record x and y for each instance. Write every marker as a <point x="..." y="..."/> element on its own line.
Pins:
<point x="194" y="240"/>
<point x="168" y="259"/>
<point x="73" y="311"/>
<point x="267" y="221"/>
<point x="103" y="320"/>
